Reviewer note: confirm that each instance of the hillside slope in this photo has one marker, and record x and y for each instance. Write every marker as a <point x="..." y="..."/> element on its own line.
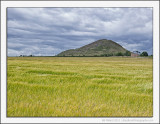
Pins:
<point x="101" y="47"/>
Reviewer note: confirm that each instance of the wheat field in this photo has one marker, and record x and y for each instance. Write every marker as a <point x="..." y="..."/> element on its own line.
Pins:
<point x="79" y="87"/>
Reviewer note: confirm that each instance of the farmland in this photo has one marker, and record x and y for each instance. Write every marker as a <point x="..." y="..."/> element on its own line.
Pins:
<point x="79" y="86"/>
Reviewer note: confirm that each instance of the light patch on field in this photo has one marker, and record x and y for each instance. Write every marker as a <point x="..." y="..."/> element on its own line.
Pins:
<point x="44" y="74"/>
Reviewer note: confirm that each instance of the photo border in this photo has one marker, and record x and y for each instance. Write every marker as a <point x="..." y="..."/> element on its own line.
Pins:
<point x="108" y="119"/>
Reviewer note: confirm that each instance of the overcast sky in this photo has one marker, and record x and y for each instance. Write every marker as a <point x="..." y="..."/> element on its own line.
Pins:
<point x="49" y="31"/>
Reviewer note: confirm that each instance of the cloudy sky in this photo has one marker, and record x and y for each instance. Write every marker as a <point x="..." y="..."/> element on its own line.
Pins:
<point x="49" y="31"/>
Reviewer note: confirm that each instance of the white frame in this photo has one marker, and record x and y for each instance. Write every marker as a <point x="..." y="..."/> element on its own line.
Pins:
<point x="154" y="4"/>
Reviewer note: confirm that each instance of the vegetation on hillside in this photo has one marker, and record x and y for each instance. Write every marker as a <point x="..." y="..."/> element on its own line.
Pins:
<point x="98" y="48"/>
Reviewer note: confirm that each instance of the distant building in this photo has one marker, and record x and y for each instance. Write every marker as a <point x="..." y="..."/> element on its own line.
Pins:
<point x="135" y="54"/>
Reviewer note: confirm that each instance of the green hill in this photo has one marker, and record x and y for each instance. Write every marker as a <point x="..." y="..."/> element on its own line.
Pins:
<point x="101" y="47"/>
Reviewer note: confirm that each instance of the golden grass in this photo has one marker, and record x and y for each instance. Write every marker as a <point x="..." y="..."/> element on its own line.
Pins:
<point x="79" y="86"/>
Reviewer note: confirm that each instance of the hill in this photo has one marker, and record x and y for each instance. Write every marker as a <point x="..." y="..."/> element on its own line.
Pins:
<point x="101" y="47"/>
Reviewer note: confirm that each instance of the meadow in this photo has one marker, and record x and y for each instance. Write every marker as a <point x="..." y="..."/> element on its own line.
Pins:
<point x="79" y="87"/>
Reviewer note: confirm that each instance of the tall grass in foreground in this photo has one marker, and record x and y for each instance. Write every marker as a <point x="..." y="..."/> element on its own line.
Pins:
<point x="72" y="86"/>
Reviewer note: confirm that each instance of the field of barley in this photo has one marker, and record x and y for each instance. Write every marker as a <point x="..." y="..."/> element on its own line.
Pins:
<point x="79" y="87"/>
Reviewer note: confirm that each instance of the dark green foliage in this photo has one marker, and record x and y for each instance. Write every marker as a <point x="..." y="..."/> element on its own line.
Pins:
<point x="137" y="52"/>
<point x="119" y="54"/>
<point x="128" y="53"/>
<point x="26" y="55"/>
<point x="144" y="53"/>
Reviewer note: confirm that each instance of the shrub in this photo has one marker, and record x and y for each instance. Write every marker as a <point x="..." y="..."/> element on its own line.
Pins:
<point x="119" y="54"/>
<point x="144" y="53"/>
<point x="127" y="53"/>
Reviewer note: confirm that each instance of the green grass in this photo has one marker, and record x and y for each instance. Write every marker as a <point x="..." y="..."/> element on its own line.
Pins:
<point x="79" y="86"/>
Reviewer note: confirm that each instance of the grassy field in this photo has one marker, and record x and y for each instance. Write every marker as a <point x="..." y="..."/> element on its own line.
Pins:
<point x="79" y="86"/>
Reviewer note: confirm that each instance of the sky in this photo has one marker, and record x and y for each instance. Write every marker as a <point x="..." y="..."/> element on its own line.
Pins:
<point x="49" y="31"/>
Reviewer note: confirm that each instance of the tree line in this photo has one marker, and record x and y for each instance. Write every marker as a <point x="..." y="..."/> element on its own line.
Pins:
<point x="127" y="53"/>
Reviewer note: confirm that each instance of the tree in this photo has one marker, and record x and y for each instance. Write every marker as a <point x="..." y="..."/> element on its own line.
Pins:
<point x="144" y="53"/>
<point x="111" y="54"/>
<point x="127" y="53"/>
<point x="137" y="52"/>
<point x="119" y="54"/>
<point x="106" y="55"/>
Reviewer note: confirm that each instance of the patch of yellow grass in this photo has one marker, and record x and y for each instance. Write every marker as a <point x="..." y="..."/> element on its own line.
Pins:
<point x="79" y="86"/>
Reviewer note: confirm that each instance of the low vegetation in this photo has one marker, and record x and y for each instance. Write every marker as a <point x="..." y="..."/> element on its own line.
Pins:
<point x="144" y="53"/>
<point x="79" y="86"/>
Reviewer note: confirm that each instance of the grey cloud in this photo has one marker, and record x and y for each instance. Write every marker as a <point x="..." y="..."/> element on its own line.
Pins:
<point x="48" y="31"/>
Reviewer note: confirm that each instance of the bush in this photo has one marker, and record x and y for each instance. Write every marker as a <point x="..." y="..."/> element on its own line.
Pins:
<point x="144" y="53"/>
<point x="128" y="53"/>
<point x="119" y="54"/>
